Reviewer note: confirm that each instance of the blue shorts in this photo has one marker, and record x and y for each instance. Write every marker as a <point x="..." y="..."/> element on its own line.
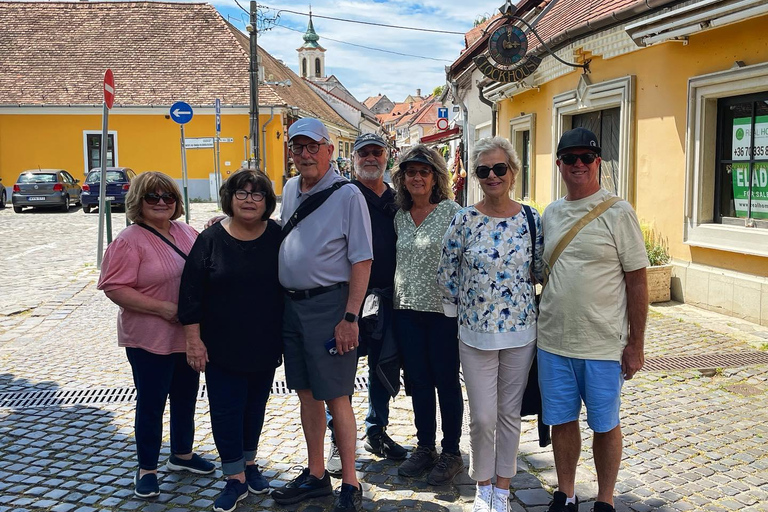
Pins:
<point x="565" y="382"/>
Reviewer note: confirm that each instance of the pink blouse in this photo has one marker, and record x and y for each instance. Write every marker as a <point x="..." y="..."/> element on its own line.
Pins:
<point x="140" y="260"/>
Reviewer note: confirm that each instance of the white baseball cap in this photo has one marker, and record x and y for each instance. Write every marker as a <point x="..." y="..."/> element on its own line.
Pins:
<point x="309" y="127"/>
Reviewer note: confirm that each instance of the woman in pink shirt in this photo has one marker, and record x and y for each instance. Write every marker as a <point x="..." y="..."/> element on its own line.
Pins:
<point x="141" y="273"/>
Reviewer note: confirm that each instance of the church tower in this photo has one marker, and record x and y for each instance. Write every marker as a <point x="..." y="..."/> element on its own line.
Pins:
<point x="311" y="54"/>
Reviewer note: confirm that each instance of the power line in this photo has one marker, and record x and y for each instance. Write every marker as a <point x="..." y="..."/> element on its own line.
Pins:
<point x="363" y="22"/>
<point x="369" y="47"/>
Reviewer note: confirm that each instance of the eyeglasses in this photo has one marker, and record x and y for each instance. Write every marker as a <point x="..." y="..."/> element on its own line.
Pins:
<point x="363" y="153"/>
<point x="570" y="158"/>
<point x="152" y="198"/>
<point x="256" y="196"/>
<point x="424" y="173"/>
<point x="483" y="171"/>
<point x="312" y="148"/>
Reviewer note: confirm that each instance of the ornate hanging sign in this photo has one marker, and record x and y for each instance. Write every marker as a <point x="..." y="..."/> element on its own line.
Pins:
<point x="507" y="47"/>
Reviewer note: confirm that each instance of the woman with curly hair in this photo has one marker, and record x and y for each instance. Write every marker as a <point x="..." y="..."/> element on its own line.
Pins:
<point x="427" y="338"/>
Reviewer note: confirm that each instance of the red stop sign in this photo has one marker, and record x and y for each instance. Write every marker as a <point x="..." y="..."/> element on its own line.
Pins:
<point x="109" y="88"/>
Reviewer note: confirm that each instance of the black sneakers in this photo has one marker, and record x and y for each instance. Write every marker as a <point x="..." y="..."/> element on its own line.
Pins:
<point x="146" y="486"/>
<point x="558" y="503"/>
<point x="196" y="464"/>
<point x="448" y="466"/>
<point x="350" y="499"/>
<point x="303" y="487"/>
<point x="420" y="460"/>
<point x="601" y="506"/>
<point x="379" y="443"/>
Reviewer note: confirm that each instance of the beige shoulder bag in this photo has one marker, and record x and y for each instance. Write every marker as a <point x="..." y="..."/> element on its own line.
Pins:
<point x="571" y="234"/>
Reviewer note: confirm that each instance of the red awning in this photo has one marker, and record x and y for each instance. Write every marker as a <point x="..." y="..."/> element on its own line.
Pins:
<point x="445" y="136"/>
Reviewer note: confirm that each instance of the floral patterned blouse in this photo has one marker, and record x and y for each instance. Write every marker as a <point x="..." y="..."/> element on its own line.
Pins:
<point x="418" y="254"/>
<point x="485" y="278"/>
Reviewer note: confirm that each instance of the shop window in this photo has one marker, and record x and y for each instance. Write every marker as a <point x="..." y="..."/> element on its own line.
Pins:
<point x="741" y="179"/>
<point x="726" y="180"/>
<point x="605" y="125"/>
<point x="522" y="133"/>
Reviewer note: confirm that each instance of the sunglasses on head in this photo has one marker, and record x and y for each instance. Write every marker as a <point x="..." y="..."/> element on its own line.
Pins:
<point x="570" y="158"/>
<point x="153" y="198"/>
<point x="377" y="152"/>
<point x="483" y="171"/>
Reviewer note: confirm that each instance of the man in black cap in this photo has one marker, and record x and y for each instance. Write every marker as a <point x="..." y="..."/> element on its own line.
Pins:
<point x="592" y="318"/>
<point x="370" y="154"/>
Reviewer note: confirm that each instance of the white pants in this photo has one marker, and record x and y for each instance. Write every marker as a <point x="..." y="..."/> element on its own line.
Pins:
<point x="495" y="382"/>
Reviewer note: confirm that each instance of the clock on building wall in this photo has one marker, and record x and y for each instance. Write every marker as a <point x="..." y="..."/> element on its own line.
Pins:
<point x="507" y="45"/>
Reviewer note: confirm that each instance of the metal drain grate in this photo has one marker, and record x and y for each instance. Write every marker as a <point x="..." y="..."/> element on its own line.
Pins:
<point x="67" y="397"/>
<point x="729" y="360"/>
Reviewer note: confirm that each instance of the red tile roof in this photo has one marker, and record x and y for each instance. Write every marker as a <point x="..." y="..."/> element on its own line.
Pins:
<point x="55" y="53"/>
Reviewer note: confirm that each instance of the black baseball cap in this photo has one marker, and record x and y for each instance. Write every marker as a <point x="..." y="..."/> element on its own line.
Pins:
<point x="422" y="159"/>
<point x="369" y="138"/>
<point x="578" y="138"/>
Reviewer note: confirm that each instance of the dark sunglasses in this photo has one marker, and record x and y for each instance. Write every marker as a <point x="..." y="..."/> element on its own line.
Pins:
<point x="483" y="171"/>
<point x="152" y="198"/>
<point x="411" y="173"/>
<point x="362" y="153"/>
<point x="570" y="158"/>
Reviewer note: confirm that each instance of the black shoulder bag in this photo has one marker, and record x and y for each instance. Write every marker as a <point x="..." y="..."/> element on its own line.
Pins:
<point x="159" y="235"/>
<point x="311" y="204"/>
<point x="532" y="395"/>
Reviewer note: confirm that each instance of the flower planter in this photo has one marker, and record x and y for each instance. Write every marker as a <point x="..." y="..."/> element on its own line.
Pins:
<point x="659" y="279"/>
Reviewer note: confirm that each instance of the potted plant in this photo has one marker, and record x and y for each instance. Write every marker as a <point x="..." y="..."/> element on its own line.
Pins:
<point x="659" y="274"/>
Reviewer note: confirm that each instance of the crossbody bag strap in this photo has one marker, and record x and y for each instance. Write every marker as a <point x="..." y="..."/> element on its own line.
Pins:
<point x="532" y="232"/>
<point x="571" y="234"/>
<point x="159" y="235"/>
<point x="311" y="204"/>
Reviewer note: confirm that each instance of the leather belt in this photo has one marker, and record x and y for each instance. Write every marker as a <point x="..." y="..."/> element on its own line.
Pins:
<point x="306" y="294"/>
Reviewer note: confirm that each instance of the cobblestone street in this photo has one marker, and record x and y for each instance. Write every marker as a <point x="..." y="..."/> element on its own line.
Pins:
<point x="695" y="422"/>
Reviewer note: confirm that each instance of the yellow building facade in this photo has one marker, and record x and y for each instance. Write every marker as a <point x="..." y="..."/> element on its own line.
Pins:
<point x="672" y="110"/>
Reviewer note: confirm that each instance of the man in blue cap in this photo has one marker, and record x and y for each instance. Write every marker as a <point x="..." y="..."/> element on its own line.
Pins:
<point x="324" y="266"/>
<point x="591" y="320"/>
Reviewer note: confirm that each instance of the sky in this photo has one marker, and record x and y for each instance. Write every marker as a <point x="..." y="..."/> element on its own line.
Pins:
<point x="365" y="72"/>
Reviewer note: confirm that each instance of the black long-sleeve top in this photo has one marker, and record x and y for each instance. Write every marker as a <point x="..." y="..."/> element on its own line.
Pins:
<point x="230" y="287"/>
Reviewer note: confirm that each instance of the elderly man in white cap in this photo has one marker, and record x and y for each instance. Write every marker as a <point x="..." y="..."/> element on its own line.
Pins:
<point x="324" y="266"/>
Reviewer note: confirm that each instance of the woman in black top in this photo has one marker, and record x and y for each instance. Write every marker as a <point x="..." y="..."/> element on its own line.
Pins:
<point x="230" y="304"/>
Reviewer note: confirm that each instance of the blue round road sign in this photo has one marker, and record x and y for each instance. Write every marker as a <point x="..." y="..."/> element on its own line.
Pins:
<point x="181" y="112"/>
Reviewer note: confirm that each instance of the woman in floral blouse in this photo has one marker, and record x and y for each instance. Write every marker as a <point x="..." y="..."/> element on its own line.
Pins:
<point x="427" y="339"/>
<point x="485" y="278"/>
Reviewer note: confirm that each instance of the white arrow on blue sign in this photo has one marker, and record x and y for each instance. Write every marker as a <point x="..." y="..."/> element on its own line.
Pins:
<point x="181" y="112"/>
<point x="442" y="112"/>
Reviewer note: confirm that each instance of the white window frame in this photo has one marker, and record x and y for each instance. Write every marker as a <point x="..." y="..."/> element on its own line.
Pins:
<point x="517" y="126"/>
<point x="587" y="97"/>
<point x="701" y="165"/>
<point x="86" y="133"/>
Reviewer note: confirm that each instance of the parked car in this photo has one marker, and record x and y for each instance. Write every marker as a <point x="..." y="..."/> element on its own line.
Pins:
<point x="118" y="183"/>
<point x="45" y="188"/>
<point x="3" y="196"/>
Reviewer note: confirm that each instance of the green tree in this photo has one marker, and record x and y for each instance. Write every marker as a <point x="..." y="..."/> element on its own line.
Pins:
<point x="437" y="91"/>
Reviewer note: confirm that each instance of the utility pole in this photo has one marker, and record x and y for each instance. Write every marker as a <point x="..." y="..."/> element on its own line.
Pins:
<point x="254" y="71"/>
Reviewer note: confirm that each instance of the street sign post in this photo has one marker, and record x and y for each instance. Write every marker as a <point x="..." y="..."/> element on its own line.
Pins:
<point x="216" y="152"/>
<point x="181" y="113"/>
<point x="109" y="99"/>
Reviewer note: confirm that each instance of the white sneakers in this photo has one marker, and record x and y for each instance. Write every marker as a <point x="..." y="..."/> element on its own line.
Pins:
<point x="486" y="500"/>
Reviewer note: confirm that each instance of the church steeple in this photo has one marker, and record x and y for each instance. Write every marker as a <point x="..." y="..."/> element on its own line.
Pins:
<point x="311" y="54"/>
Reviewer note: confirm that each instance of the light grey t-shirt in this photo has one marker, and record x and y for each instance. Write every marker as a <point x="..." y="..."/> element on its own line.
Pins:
<point x="322" y="248"/>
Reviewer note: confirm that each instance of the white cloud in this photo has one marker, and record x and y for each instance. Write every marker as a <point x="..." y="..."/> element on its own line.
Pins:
<point x="367" y="72"/>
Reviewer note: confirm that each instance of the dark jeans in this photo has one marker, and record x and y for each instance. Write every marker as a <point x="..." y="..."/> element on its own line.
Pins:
<point x="429" y="345"/>
<point x="158" y="378"/>
<point x="237" y="401"/>
<point x="378" y="396"/>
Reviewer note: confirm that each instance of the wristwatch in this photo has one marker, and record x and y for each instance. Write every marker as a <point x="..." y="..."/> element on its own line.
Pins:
<point x="350" y="317"/>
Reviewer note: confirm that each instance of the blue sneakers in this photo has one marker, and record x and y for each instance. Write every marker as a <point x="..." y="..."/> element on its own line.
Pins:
<point x="257" y="483"/>
<point x="196" y="464"/>
<point x="233" y="492"/>
<point x="146" y="486"/>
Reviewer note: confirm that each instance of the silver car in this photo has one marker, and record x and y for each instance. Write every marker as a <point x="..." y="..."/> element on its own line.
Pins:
<point x="45" y="188"/>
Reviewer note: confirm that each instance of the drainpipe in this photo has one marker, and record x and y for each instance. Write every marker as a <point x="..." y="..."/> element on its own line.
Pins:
<point x="491" y="104"/>
<point x="264" y="139"/>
